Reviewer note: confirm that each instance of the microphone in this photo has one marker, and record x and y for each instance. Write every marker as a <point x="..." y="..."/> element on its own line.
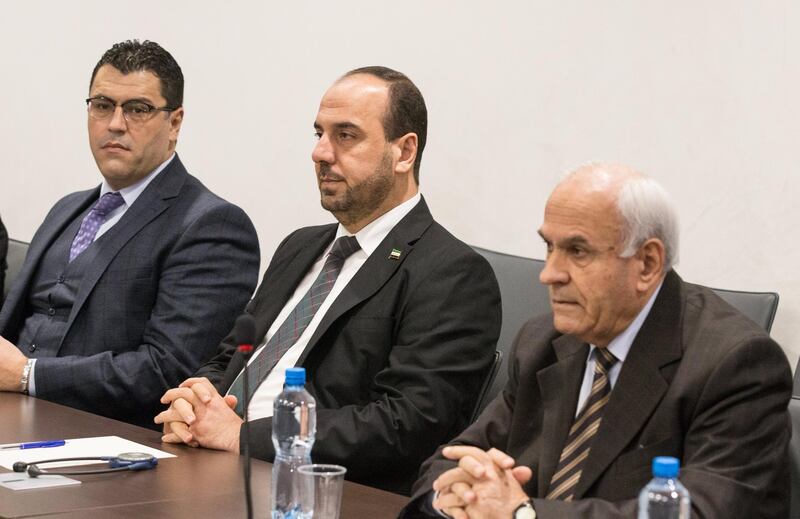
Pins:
<point x="244" y="332"/>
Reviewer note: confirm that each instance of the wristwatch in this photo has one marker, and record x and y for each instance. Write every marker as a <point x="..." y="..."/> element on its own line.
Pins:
<point x="26" y="373"/>
<point x="525" y="511"/>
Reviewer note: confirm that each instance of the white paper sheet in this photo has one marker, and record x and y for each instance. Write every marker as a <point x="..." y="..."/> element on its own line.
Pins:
<point x="79" y="447"/>
<point x="21" y="481"/>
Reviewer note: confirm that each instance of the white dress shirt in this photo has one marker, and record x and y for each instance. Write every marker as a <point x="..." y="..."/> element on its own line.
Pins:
<point x="129" y="195"/>
<point x="368" y="238"/>
<point x="619" y="347"/>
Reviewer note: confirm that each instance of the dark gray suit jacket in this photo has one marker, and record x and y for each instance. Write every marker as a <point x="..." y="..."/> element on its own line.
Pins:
<point x="168" y="280"/>
<point x="398" y="359"/>
<point x="701" y="382"/>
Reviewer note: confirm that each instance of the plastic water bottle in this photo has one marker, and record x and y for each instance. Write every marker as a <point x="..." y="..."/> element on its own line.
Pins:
<point x="294" y="424"/>
<point x="664" y="497"/>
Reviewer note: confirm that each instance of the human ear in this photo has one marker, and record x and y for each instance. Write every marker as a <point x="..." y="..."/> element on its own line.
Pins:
<point x="405" y="148"/>
<point x="651" y="256"/>
<point x="175" y="121"/>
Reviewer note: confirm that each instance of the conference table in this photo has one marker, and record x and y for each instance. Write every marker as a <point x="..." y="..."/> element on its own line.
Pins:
<point x="198" y="483"/>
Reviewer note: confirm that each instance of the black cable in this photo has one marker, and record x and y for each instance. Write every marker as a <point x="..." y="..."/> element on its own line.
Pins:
<point x="244" y="331"/>
<point x="248" y="493"/>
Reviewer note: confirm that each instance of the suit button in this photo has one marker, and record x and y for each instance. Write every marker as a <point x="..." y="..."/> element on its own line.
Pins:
<point x="60" y="279"/>
<point x="51" y="311"/>
<point x="32" y="348"/>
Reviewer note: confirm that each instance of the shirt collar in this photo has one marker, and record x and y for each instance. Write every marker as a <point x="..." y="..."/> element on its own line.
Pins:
<point x="132" y="192"/>
<point x="621" y="344"/>
<point x="373" y="233"/>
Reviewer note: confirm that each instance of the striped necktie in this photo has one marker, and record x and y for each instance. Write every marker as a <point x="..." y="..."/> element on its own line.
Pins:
<point x="297" y="321"/>
<point x="579" y="441"/>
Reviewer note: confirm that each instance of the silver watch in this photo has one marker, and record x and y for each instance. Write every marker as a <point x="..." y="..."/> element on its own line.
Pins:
<point x="525" y="511"/>
<point x="26" y="373"/>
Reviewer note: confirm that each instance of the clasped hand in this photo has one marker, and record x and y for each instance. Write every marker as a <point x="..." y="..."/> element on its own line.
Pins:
<point x="200" y="417"/>
<point x="485" y="484"/>
<point x="12" y="362"/>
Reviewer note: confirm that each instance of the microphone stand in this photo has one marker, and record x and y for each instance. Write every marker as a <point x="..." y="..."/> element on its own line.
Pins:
<point x="246" y="351"/>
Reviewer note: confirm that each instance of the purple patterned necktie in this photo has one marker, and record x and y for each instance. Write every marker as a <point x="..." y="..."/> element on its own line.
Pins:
<point x="92" y="222"/>
<point x="296" y="322"/>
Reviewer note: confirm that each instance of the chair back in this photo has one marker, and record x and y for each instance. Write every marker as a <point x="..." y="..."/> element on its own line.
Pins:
<point x="794" y="458"/>
<point x="523" y="297"/>
<point x="15" y="259"/>
<point x="760" y="307"/>
<point x="487" y="385"/>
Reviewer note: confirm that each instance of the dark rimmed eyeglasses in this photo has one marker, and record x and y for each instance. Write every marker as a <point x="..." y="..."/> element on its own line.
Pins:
<point x="134" y="111"/>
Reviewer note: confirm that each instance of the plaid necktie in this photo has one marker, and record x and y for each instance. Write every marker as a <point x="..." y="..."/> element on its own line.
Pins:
<point x="294" y="325"/>
<point x="579" y="441"/>
<point x="92" y="222"/>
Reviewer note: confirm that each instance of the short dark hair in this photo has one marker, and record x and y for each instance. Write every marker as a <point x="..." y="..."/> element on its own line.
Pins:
<point x="134" y="56"/>
<point x="406" y="111"/>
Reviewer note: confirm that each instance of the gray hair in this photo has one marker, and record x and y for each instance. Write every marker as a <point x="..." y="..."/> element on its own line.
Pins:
<point x="647" y="212"/>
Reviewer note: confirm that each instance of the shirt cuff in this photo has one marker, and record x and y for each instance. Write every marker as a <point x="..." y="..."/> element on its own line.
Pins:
<point x="434" y="497"/>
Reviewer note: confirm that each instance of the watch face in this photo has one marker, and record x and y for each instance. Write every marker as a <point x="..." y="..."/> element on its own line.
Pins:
<point x="525" y="511"/>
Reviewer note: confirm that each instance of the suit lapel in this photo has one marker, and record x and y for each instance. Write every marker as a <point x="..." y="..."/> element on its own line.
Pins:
<point x="153" y="201"/>
<point x="560" y="385"/>
<point x="288" y="267"/>
<point x="377" y="270"/>
<point x="286" y="276"/>
<point x="640" y="386"/>
<point x="62" y="216"/>
<point x="59" y="221"/>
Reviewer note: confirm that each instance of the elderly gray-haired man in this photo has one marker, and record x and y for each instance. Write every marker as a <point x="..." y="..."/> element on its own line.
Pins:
<point x="633" y="363"/>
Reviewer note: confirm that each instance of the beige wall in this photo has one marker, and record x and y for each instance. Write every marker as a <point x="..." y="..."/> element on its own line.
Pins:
<point x="701" y="94"/>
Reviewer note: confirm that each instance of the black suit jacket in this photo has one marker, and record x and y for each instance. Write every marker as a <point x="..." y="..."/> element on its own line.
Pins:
<point x="396" y="363"/>
<point x="701" y="382"/>
<point x="164" y="286"/>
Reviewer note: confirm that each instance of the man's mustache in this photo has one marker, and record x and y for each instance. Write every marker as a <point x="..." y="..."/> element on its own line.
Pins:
<point x="325" y="173"/>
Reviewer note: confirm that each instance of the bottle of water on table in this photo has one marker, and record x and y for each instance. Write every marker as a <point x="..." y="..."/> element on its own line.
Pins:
<point x="664" y="497"/>
<point x="294" y="424"/>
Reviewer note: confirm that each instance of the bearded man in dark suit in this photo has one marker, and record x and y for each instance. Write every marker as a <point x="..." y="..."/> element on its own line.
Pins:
<point x="633" y="363"/>
<point x="407" y="318"/>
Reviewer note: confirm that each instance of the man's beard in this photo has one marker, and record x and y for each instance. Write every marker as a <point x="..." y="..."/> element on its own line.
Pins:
<point x="362" y="199"/>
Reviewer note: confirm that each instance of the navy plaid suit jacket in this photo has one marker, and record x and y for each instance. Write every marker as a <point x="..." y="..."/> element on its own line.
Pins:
<point x="165" y="287"/>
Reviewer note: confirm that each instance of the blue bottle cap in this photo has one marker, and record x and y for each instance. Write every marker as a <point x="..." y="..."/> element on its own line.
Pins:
<point x="666" y="467"/>
<point x="296" y="376"/>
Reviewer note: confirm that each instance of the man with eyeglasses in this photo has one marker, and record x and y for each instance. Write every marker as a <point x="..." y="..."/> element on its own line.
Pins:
<point x="128" y="287"/>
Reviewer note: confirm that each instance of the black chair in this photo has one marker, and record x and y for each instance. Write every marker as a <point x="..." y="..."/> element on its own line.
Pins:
<point x="487" y="385"/>
<point x="760" y="307"/>
<point x="522" y="298"/>
<point x="794" y="457"/>
<point x="15" y="258"/>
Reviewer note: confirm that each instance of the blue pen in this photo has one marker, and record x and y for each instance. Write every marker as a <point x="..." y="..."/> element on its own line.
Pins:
<point x="35" y="445"/>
